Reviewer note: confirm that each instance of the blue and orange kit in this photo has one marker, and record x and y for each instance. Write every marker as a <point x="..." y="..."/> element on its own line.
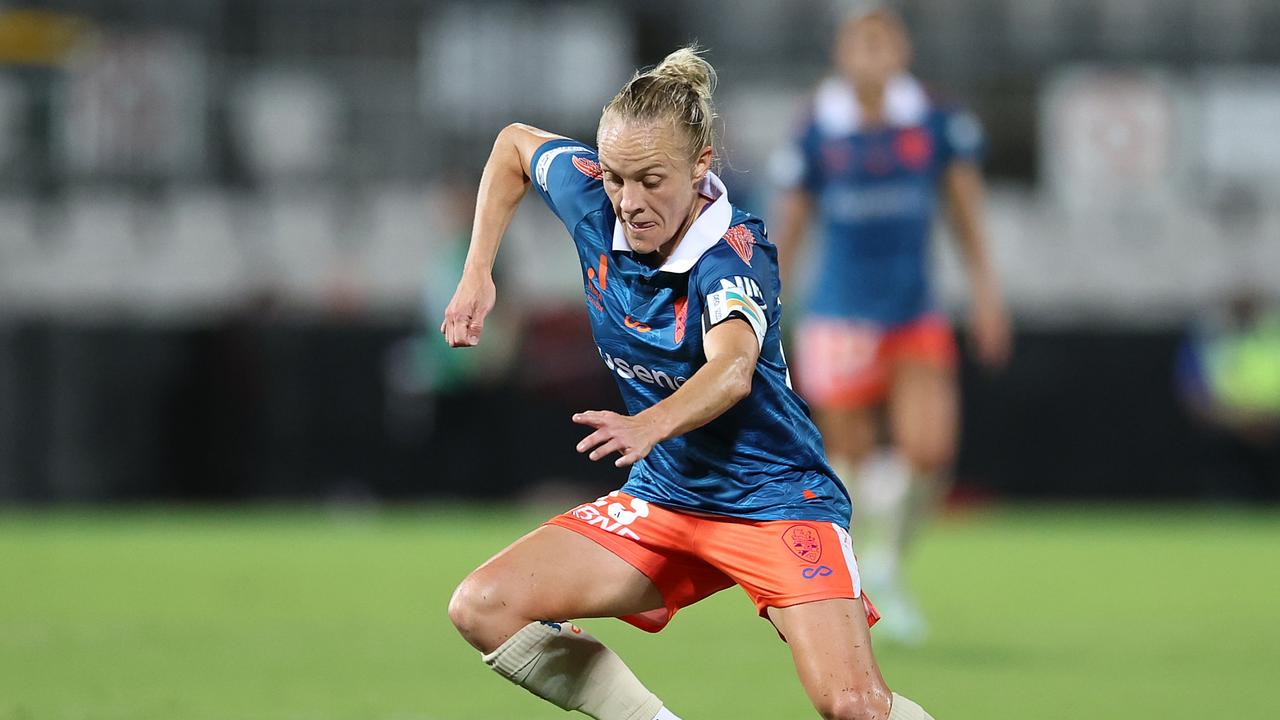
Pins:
<point x="763" y="458"/>
<point x="876" y="194"/>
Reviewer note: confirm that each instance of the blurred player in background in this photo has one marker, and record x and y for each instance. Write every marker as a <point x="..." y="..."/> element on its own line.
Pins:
<point x="869" y="161"/>
<point x="1228" y="374"/>
<point x="728" y="483"/>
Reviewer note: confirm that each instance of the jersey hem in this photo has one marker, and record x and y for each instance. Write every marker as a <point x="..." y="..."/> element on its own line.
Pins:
<point x="755" y="517"/>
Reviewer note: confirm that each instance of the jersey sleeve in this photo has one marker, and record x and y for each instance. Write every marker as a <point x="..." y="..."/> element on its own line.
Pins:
<point x="796" y="166"/>
<point x="961" y="137"/>
<point x="566" y="173"/>
<point x="730" y="287"/>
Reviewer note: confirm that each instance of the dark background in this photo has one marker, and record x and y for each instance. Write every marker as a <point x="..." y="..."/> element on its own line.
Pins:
<point x="308" y="166"/>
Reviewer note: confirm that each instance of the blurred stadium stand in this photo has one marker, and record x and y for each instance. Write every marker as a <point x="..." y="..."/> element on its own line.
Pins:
<point x="228" y="227"/>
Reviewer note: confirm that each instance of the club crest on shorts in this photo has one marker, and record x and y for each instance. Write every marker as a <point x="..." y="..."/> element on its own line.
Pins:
<point x="804" y="542"/>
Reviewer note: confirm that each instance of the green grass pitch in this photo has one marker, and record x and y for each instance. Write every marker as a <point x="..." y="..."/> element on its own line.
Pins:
<point x="1045" y="613"/>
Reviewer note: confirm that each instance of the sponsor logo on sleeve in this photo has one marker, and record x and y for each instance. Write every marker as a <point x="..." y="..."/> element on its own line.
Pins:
<point x="543" y="169"/>
<point x="745" y="285"/>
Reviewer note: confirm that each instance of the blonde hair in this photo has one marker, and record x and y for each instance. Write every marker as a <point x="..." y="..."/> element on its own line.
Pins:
<point x="677" y="90"/>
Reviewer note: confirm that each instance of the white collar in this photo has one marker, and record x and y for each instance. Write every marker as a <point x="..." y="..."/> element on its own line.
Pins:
<point x="706" y="230"/>
<point x="837" y="112"/>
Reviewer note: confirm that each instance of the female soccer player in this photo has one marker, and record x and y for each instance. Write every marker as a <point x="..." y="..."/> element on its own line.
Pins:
<point x="728" y="483"/>
<point x="868" y="162"/>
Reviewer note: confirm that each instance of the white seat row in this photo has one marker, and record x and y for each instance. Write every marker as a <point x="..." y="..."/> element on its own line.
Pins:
<point x="203" y="250"/>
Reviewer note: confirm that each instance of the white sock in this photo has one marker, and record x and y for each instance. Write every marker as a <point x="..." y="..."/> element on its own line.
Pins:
<point x="924" y="497"/>
<point x="564" y="665"/>
<point x="665" y="714"/>
<point x="907" y="709"/>
<point x="880" y="488"/>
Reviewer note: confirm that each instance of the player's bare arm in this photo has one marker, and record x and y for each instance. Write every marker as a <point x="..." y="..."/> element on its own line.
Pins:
<point x="731" y="349"/>
<point x="794" y="208"/>
<point x="989" y="321"/>
<point x="504" y="182"/>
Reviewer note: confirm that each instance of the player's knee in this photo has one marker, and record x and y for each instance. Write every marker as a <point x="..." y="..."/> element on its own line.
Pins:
<point x="851" y="451"/>
<point x="849" y="437"/>
<point x="476" y="603"/>
<point x="462" y="608"/>
<point x="854" y="705"/>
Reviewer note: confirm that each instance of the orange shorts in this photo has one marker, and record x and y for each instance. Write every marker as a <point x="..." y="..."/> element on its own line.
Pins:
<point x="845" y="364"/>
<point x="690" y="557"/>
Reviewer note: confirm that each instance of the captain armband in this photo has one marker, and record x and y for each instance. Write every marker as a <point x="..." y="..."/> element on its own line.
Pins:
<point x="728" y="302"/>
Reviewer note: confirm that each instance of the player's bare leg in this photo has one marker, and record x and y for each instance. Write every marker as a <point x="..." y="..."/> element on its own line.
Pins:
<point x="878" y="482"/>
<point x="923" y="419"/>
<point x="550" y="574"/>
<point x="511" y="609"/>
<point x="831" y="646"/>
<point x="924" y="422"/>
<point x="924" y="415"/>
<point x="849" y="436"/>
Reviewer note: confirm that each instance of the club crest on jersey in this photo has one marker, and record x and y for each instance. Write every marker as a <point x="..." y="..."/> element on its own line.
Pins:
<point x="913" y="147"/>
<point x="804" y="542"/>
<point x="742" y="242"/>
<point x="588" y="167"/>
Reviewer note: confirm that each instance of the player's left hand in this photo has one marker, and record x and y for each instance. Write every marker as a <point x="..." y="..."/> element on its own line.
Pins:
<point x="633" y="436"/>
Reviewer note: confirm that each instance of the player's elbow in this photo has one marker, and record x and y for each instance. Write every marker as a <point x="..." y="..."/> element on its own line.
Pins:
<point x="508" y="146"/>
<point x="512" y="132"/>
<point x="521" y="141"/>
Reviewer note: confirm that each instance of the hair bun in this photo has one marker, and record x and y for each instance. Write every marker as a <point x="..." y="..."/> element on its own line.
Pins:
<point x="687" y="67"/>
<point x="679" y="91"/>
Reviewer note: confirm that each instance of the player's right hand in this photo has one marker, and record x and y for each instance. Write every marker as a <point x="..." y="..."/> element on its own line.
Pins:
<point x="990" y="327"/>
<point x="471" y="303"/>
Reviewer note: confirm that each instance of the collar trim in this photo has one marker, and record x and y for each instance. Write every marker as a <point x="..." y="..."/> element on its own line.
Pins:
<point x="837" y="112"/>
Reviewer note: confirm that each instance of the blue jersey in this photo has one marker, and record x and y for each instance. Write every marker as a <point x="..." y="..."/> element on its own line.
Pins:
<point x="876" y="193"/>
<point x="763" y="458"/>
